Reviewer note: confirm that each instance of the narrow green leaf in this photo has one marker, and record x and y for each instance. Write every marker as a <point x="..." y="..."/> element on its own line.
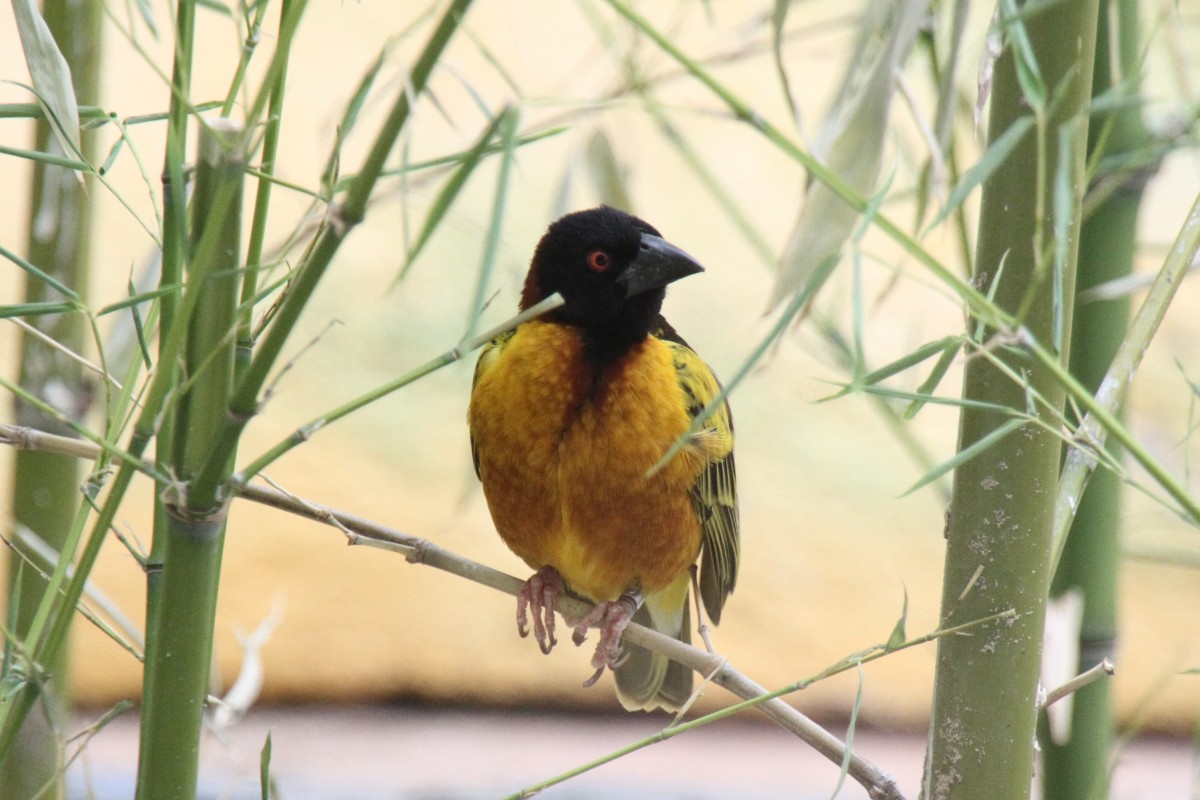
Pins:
<point x="159" y="116"/>
<point x="111" y="158"/>
<point x="851" y="145"/>
<point x="922" y="353"/>
<point x="50" y="73"/>
<point x="778" y="21"/>
<point x="139" y="327"/>
<point x="34" y="309"/>
<point x="844" y="769"/>
<point x="508" y="132"/>
<point x="45" y="158"/>
<point x="450" y="191"/>
<point x="937" y="400"/>
<point x="994" y="158"/>
<point x="899" y="637"/>
<point x="965" y="455"/>
<point x="264" y="769"/>
<point x="981" y="327"/>
<point x="930" y="384"/>
<point x="138" y="298"/>
<point x="349" y="118"/>
<point x="38" y="273"/>
<point x="214" y="5"/>
<point x="17" y="578"/>
<point x="1029" y="75"/>
<point x="146" y="12"/>
<point x="1064" y="204"/>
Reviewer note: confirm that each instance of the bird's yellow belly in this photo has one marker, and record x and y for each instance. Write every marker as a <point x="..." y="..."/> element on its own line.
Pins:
<point x="563" y="456"/>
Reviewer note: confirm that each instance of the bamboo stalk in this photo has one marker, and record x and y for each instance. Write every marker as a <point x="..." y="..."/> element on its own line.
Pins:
<point x="46" y="487"/>
<point x="1077" y="768"/>
<point x="1000" y="526"/>
<point x="177" y="668"/>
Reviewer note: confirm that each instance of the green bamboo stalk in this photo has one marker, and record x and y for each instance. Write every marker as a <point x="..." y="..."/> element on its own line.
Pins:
<point x="1077" y="768"/>
<point x="46" y="487"/>
<point x="177" y="669"/>
<point x="174" y="237"/>
<point x="1002" y="507"/>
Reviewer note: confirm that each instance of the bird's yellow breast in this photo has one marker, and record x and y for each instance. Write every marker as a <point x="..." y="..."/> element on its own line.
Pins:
<point x="563" y="450"/>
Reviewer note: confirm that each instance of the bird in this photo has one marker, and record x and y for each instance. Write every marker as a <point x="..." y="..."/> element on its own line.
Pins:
<point x="571" y="414"/>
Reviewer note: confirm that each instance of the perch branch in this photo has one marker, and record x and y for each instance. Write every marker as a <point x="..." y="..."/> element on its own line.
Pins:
<point x="361" y="531"/>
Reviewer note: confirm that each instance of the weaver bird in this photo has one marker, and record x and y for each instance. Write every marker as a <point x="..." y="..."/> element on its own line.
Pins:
<point x="570" y="413"/>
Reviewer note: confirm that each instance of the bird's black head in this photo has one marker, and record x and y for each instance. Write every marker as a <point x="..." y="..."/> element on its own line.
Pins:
<point x="612" y="270"/>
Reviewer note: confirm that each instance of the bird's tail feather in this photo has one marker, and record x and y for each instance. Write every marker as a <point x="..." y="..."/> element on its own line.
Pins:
<point x="646" y="680"/>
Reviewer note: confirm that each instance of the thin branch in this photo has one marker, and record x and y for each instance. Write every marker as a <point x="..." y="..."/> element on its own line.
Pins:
<point x="361" y="531"/>
<point x="1102" y="670"/>
<point x="1101" y="420"/>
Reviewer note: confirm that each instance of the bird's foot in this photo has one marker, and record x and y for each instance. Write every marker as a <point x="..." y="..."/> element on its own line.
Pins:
<point x="539" y="595"/>
<point x="612" y="618"/>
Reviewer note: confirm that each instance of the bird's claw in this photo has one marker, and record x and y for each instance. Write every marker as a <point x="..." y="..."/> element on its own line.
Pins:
<point x="612" y="617"/>
<point x="539" y="595"/>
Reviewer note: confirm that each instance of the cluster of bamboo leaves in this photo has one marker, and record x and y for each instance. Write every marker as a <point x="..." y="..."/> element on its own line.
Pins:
<point x="208" y="338"/>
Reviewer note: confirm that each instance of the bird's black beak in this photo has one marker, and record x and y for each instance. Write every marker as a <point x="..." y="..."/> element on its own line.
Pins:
<point x="658" y="263"/>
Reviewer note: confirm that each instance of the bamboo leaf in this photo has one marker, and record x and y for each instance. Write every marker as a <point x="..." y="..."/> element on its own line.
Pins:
<point x="965" y="455"/>
<point x="1029" y="75"/>
<point x="34" y="309"/>
<point x="1064" y="205"/>
<point x="139" y="327"/>
<point x="778" y="20"/>
<point x="508" y="132"/>
<point x="899" y="637"/>
<point x="138" y="298"/>
<point x="852" y="141"/>
<point x="853" y="725"/>
<point x="349" y="118"/>
<point x="264" y="769"/>
<point x="929" y="386"/>
<point x="922" y="353"/>
<point x="995" y="157"/>
<point x="40" y="274"/>
<point x="214" y="5"/>
<point x="45" y="158"/>
<point x="146" y="12"/>
<point x="450" y="191"/>
<point x="50" y="73"/>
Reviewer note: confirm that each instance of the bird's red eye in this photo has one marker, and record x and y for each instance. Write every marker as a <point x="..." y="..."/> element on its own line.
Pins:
<point x="599" y="261"/>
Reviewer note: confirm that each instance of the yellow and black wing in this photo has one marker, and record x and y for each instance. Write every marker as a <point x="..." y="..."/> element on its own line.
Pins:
<point x="714" y="494"/>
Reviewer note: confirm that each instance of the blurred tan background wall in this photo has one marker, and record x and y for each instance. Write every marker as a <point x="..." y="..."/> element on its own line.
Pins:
<point x="830" y="542"/>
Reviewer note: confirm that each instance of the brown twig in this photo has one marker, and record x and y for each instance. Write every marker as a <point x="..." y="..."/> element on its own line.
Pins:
<point x="361" y="531"/>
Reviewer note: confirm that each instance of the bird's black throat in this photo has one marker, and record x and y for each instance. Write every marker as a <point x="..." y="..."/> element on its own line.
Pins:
<point x="608" y="339"/>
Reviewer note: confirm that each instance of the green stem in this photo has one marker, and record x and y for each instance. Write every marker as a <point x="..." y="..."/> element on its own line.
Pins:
<point x="262" y="205"/>
<point x="249" y="45"/>
<point x="177" y="668"/>
<point x="1000" y="525"/>
<point x="45" y="487"/>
